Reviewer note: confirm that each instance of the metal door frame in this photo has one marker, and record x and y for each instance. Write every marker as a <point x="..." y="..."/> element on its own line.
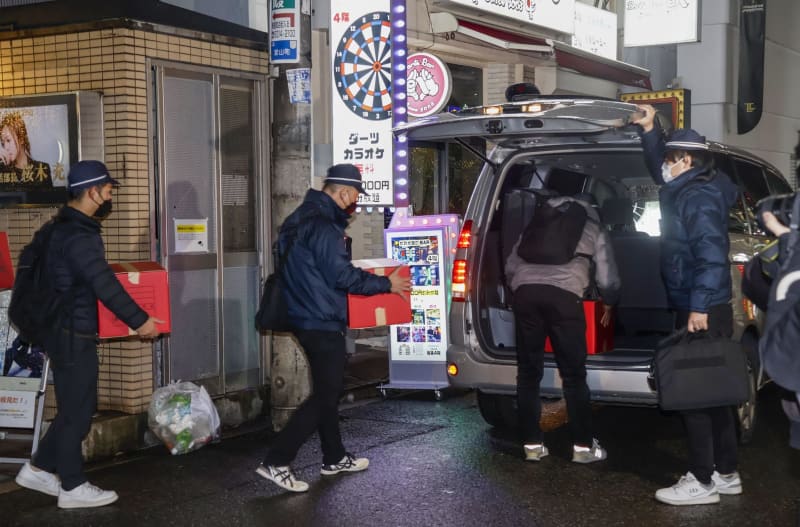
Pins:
<point x="158" y="225"/>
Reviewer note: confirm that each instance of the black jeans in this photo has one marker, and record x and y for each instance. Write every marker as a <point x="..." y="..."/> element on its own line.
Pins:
<point x="542" y="311"/>
<point x="711" y="431"/>
<point x="327" y="356"/>
<point x="75" y="378"/>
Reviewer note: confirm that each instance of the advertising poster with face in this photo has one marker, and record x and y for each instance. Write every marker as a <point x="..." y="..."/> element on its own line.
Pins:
<point x="424" y="339"/>
<point x="36" y="149"/>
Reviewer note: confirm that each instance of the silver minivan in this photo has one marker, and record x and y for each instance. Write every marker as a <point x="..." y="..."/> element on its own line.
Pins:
<point x="570" y="146"/>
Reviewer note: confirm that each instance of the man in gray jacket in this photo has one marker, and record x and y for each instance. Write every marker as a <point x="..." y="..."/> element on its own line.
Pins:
<point x="548" y="303"/>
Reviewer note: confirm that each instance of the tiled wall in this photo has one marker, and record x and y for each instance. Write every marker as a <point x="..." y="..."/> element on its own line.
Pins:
<point x="112" y="61"/>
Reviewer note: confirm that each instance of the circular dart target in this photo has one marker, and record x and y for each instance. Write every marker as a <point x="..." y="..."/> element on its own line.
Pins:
<point x="362" y="70"/>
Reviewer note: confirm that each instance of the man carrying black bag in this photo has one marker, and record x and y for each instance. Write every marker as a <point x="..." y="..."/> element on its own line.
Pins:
<point x="695" y="200"/>
<point x="316" y="276"/>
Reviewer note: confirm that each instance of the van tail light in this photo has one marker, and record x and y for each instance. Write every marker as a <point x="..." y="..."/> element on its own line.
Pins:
<point x="460" y="273"/>
<point x="459" y="288"/>
<point x="465" y="238"/>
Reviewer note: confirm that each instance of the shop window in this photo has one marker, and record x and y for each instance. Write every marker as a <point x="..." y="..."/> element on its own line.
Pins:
<point x="424" y="184"/>
<point x="247" y="13"/>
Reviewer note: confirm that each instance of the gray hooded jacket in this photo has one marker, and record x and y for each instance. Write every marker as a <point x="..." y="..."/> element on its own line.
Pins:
<point x="572" y="276"/>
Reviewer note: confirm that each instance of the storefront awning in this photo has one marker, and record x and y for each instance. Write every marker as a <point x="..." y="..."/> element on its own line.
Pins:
<point x="564" y="55"/>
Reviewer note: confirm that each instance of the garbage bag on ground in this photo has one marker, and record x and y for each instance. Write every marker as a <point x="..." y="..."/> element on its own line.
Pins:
<point x="183" y="416"/>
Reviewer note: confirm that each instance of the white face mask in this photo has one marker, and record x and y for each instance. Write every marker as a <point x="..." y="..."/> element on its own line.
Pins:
<point x="666" y="172"/>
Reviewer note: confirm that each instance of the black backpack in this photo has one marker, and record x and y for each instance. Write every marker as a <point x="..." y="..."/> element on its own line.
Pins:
<point x="553" y="234"/>
<point x="36" y="308"/>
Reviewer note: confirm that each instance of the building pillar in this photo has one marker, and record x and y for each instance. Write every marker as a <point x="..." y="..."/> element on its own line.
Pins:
<point x="291" y="179"/>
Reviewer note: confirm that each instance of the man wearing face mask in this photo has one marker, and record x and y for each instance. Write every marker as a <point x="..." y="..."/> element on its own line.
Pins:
<point x="695" y="201"/>
<point x="317" y="276"/>
<point x="78" y="270"/>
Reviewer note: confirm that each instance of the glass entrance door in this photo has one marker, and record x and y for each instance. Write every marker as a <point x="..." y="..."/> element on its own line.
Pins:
<point x="210" y="173"/>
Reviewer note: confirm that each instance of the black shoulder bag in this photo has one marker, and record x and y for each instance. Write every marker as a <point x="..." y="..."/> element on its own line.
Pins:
<point x="273" y="310"/>
<point x="696" y="371"/>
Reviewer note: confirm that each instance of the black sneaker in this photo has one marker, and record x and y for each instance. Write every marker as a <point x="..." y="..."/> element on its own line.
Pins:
<point x="348" y="463"/>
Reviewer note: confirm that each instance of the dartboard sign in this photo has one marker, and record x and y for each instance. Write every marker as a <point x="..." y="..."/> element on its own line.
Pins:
<point x="362" y="68"/>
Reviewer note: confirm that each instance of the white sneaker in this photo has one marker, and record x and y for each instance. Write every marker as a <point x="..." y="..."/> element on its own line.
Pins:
<point x="728" y="484"/>
<point x="584" y="454"/>
<point x="282" y="477"/>
<point x="688" y="491"/>
<point x="38" y="480"/>
<point x="349" y="463"/>
<point x="85" y="495"/>
<point x="535" y="452"/>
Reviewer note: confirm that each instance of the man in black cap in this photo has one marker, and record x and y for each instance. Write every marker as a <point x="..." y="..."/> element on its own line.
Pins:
<point x="695" y="201"/>
<point x="78" y="270"/>
<point x="317" y="275"/>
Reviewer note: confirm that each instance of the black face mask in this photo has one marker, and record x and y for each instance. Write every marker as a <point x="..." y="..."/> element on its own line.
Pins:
<point x="103" y="210"/>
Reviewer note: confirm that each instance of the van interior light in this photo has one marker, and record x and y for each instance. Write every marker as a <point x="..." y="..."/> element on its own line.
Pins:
<point x="493" y="110"/>
<point x="532" y="108"/>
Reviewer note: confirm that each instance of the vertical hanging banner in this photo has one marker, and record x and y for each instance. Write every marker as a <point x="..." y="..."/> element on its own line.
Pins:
<point x="752" y="19"/>
<point x="284" y="31"/>
<point x="362" y="93"/>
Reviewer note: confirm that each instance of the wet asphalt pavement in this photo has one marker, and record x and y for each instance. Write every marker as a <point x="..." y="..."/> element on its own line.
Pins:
<point x="438" y="463"/>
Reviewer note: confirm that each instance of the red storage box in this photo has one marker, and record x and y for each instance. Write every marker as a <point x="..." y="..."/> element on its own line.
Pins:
<point x="598" y="338"/>
<point x="6" y="267"/>
<point x="379" y="310"/>
<point x="147" y="284"/>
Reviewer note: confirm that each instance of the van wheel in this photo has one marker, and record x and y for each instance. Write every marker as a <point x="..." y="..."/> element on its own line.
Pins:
<point x="746" y="412"/>
<point x="499" y="411"/>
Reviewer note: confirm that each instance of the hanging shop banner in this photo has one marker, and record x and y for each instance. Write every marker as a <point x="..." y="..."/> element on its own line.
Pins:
<point x="362" y="98"/>
<point x="428" y="84"/>
<point x="552" y="14"/>
<point x="425" y="338"/>
<point x="284" y="31"/>
<point x="657" y="22"/>
<point x="595" y="31"/>
<point x="752" y="18"/>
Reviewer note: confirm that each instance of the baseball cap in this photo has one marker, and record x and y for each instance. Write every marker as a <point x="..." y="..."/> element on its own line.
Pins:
<point x="85" y="174"/>
<point x="686" y="139"/>
<point x="345" y="174"/>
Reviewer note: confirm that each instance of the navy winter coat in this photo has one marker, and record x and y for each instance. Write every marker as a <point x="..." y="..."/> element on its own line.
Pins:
<point x="695" y="209"/>
<point x="318" y="273"/>
<point x="77" y="262"/>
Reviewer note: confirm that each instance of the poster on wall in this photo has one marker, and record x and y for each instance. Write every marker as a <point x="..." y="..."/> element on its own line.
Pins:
<point x="362" y="98"/>
<point x="425" y="338"/>
<point x="38" y="143"/>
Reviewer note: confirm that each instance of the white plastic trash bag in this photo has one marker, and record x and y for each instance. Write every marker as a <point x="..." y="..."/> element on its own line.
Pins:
<point x="183" y="416"/>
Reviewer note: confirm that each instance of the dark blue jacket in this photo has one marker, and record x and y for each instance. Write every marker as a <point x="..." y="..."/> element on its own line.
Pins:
<point x="318" y="273"/>
<point x="77" y="263"/>
<point x="695" y="209"/>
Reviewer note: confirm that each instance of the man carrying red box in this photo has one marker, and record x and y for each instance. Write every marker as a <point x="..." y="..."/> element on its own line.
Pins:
<point x="548" y="271"/>
<point x="77" y="271"/>
<point x="318" y="274"/>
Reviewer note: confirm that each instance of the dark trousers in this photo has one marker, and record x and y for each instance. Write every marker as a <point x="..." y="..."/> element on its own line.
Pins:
<point x="326" y="354"/>
<point x="712" y="431"/>
<point x="542" y="311"/>
<point x="75" y="378"/>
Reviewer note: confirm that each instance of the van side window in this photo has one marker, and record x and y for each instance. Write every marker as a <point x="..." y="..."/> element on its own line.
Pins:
<point x="777" y="185"/>
<point x="738" y="218"/>
<point x="751" y="181"/>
